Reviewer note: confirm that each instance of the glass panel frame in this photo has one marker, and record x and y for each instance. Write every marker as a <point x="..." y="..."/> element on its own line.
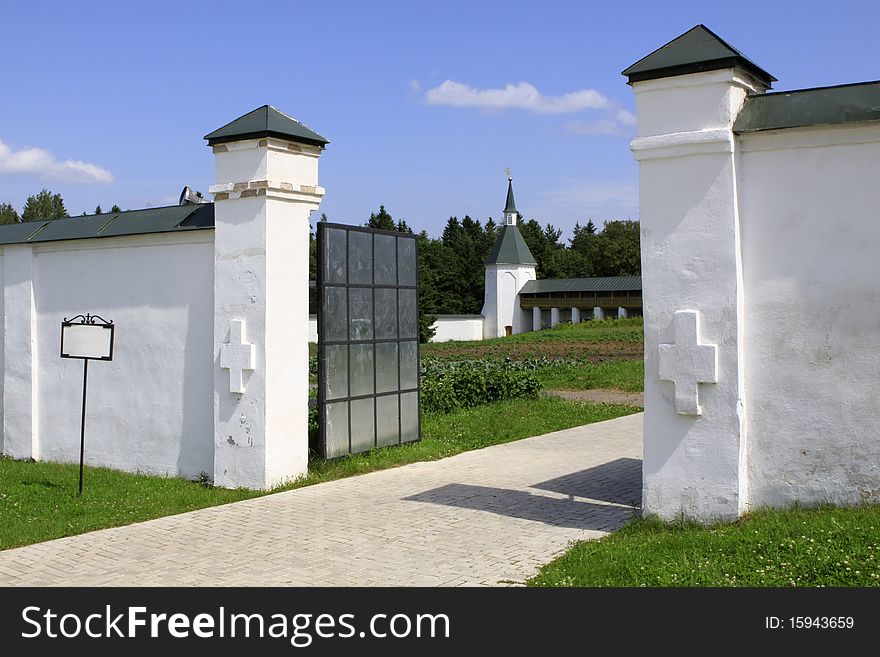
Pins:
<point x="368" y="381"/>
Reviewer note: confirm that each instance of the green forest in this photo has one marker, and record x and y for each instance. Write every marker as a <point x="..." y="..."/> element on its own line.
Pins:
<point x="451" y="273"/>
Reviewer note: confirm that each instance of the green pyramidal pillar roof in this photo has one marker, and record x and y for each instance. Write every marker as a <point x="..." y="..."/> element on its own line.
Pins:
<point x="510" y="249"/>
<point x="266" y="121"/>
<point x="697" y="50"/>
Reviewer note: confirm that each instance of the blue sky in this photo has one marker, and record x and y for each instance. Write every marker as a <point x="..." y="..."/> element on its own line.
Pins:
<point x="425" y="104"/>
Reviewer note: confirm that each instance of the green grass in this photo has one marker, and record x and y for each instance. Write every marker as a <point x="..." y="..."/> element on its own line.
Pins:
<point x="608" y="330"/>
<point x="825" y="546"/>
<point x="38" y="500"/>
<point x="628" y="375"/>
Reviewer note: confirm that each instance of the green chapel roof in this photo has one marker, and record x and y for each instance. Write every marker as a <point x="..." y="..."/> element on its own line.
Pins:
<point x="510" y="249"/>
<point x="266" y="121"/>
<point x="697" y="50"/>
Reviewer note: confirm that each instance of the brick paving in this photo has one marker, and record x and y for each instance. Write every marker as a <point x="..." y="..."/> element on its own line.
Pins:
<point x="488" y="517"/>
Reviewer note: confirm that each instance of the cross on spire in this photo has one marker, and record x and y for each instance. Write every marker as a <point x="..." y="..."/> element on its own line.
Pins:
<point x="688" y="362"/>
<point x="236" y="355"/>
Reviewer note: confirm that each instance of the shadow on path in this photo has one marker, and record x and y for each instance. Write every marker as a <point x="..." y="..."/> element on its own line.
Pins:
<point x="618" y="481"/>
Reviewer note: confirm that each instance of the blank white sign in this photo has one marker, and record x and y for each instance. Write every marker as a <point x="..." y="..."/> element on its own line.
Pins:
<point x="86" y="341"/>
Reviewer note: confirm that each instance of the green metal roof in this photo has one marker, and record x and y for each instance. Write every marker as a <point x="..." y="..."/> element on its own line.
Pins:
<point x="510" y="206"/>
<point x="510" y="249"/>
<point x="171" y="219"/>
<point x="598" y="284"/>
<point x="847" y="103"/>
<point x="699" y="49"/>
<point x="265" y="121"/>
<point x="452" y="316"/>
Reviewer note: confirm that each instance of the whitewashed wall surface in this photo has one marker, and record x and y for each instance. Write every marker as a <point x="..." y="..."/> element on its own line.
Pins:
<point x="759" y="272"/>
<point x="457" y="327"/>
<point x="149" y="409"/>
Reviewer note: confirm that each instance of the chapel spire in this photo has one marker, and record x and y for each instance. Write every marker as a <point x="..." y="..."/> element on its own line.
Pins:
<point x="510" y="206"/>
<point x="510" y="212"/>
<point x="510" y="248"/>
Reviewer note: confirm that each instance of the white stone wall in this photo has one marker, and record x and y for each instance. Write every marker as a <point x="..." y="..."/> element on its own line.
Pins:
<point x="759" y="279"/>
<point x="2" y="349"/>
<point x="150" y="408"/>
<point x="812" y="364"/>
<point x="209" y="371"/>
<point x="457" y="327"/>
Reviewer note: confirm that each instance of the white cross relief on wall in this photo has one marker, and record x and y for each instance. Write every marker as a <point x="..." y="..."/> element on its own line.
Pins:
<point x="236" y="356"/>
<point x="688" y="362"/>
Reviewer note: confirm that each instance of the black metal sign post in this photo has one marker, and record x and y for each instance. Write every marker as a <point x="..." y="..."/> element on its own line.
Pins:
<point x="86" y="338"/>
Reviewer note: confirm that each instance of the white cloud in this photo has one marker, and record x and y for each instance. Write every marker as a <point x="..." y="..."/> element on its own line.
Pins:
<point x="598" y="127"/>
<point x="620" y="122"/>
<point x="42" y="163"/>
<point x="514" y="96"/>
<point x="414" y="91"/>
<point x="625" y="117"/>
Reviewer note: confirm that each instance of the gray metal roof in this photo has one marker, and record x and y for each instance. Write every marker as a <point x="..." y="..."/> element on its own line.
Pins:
<point x="847" y="103"/>
<point x="452" y="316"/>
<point x="171" y="219"/>
<point x="510" y="249"/>
<point x="265" y="121"/>
<point x="598" y="284"/>
<point x="699" y="49"/>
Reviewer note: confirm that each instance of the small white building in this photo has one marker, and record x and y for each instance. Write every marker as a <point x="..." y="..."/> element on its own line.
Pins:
<point x="516" y="302"/>
<point x="509" y="266"/>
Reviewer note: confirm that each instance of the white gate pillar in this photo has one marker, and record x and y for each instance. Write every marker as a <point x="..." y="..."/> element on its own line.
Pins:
<point x="536" y="319"/>
<point x="575" y="315"/>
<point x="688" y="96"/>
<point x="266" y="187"/>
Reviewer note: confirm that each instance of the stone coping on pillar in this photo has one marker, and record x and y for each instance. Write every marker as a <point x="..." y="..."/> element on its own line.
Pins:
<point x="270" y="143"/>
<point x="270" y="188"/>
<point x="715" y="140"/>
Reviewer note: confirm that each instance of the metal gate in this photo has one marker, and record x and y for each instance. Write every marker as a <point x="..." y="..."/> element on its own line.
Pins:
<point x="368" y="339"/>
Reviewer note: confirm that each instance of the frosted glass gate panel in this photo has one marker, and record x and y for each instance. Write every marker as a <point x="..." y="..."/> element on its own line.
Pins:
<point x="368" y="339"/>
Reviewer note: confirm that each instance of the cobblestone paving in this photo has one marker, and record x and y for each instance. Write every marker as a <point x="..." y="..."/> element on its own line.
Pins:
<point x="487" y="517"/>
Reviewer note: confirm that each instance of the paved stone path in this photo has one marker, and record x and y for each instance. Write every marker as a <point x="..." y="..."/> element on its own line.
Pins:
<point x="485" y="517"/>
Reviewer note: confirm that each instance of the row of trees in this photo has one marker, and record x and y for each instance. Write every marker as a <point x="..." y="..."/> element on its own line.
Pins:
<point x="451" y="272"/>
<point x="40" y="207"/>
